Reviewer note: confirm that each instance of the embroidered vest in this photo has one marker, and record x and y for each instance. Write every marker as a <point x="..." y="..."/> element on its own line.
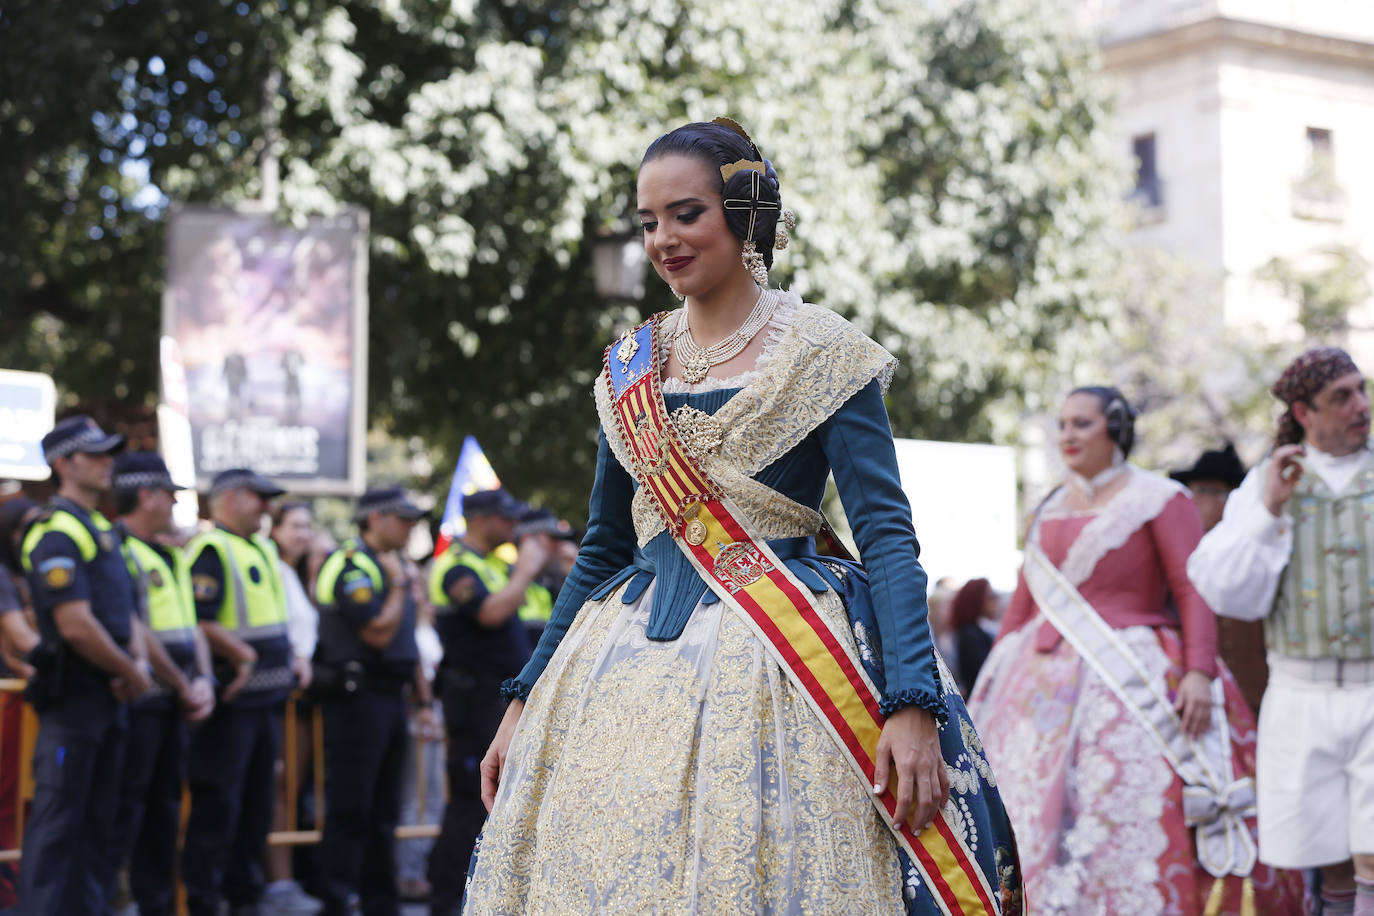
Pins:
<point x="1324" y="607"/>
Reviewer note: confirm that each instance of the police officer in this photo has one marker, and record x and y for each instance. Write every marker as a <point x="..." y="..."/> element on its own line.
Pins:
<point x="365" y="658"/>
<point x="539" y="600"/>
<point x="477" y="600"/>
<point x="241" y="607"/>
<point x="87" y="665"/>
<point x="145" y="834"/>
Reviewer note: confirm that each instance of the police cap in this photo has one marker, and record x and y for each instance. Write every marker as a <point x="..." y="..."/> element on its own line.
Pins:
<point x="142" y="470"/>
<point x="493" y="502"/>
<point x="389" y="501"/>
<point x="244" y="478"/>
<point x="79" y="434"/>
<point x="542" y="521"/>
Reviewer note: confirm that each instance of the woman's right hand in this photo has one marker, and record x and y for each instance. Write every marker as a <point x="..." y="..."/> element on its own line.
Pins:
<point x="495" y="760"/>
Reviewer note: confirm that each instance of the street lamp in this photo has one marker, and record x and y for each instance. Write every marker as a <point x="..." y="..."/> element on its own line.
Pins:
<point x="618" y="266"/>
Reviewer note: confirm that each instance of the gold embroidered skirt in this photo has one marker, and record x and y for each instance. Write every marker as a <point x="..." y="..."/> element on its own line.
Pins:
<point x="677" y="777"/>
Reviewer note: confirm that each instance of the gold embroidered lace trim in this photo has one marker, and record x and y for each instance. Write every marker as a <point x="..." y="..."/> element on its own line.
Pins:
<point x="818" y="362"/>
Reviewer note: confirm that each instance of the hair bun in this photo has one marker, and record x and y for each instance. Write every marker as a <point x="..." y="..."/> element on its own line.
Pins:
<point x="770" y="174"/>
<point x="740" y="187"/>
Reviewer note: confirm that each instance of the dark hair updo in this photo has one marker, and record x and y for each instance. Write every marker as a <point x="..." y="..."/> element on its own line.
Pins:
<point x="719" y="144"/>
<point x="1118" y="411"/>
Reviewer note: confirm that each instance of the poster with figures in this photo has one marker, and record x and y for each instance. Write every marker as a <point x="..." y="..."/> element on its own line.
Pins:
<point x="271" y="323"/>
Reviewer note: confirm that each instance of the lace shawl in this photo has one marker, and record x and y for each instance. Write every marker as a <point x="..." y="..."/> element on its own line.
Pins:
<point x="1137" y="503"/>
<point x="815" y="362"/>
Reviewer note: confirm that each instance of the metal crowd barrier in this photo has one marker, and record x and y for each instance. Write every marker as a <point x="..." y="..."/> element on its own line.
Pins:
<point x="12" y="689"/>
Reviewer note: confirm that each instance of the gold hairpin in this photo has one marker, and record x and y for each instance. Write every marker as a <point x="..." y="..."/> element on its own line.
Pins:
<point x="739" y="166"/>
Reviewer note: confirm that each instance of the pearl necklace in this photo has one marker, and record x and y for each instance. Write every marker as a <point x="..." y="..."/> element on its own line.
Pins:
<point x="697" y="362"/>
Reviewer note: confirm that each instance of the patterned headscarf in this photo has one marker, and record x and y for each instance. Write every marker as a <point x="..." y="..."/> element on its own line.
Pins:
<point x="1304" y="377"/>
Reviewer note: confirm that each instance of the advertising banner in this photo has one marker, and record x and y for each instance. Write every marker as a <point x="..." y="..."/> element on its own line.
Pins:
<point x="270" y="323"/>
<point x="28" y="402"/>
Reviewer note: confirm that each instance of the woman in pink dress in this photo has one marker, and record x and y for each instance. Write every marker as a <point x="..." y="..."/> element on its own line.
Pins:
<point x="1125" y="750"/>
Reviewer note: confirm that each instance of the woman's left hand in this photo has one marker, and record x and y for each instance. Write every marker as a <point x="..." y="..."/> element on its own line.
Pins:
<point x="1194" y="703"/>
<point x="909" y="747"/>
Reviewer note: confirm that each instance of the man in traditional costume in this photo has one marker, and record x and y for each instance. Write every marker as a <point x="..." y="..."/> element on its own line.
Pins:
<point x="1295" y="548"/>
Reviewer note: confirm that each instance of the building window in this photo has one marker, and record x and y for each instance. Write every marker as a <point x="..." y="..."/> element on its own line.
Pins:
<point x="1316" y="193"/>
<point x="1149" y="191"/>
<point x="1319" y="150"/>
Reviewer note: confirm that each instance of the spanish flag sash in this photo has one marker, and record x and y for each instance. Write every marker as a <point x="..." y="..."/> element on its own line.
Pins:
<point x="750" y="578"/>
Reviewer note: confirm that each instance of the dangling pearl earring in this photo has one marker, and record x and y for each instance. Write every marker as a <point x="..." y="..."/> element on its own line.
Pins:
<point x="753" y="262"/>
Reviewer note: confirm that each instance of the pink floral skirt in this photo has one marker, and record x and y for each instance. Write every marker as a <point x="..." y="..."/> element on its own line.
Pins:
<point x="1098" y="811"/>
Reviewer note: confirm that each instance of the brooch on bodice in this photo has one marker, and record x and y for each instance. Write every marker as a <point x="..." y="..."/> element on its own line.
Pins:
<point x="702" y="433"/>
<point x="626" y="351"/>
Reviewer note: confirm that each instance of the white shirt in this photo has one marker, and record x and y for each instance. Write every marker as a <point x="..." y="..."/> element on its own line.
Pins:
<point x="1237" y="567"/>
<point x="302" y="620"/>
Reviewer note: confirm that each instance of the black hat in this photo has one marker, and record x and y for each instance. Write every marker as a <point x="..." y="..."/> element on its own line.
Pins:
<point x="79" y="434"/>
<point x="388" y="500"/>
<point x="134" y="470"/>
<point x="493" y="502"/>
<point x="542" y="521"/>
<point x="243" y="478"/>
<point x="1223" y="466"/>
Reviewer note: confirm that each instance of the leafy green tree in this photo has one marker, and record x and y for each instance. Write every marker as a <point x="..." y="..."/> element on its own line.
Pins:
<point x="947" y="162"/>
<point x="1325" y="292"/>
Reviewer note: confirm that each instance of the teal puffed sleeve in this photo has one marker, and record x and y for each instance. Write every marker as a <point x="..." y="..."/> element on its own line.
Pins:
<point x="607" y="548"/>
<point x="857" y="441"/>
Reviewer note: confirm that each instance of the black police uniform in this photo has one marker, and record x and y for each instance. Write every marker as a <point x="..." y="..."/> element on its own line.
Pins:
<point x="477" y="659"/>
<point x="149" y="812"/>
<point x="79" y="753"/>
<point x="232" y="764"/>
<point x="362" y="701"/>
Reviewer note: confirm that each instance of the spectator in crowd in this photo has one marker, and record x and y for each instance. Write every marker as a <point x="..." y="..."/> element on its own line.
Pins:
<point x="973" y="618"/>
<point x="241" y="605"/>
<point x="149" y="812"/>
<point x="293" y="534"/>
<point x="940" y="630"/>
<point x="87" y="666"/>
<point x="534" y="613"/>
<point x="367" y="658"/>
<point x="477" y="600"/>
<point x="422" y="792"/>
<point x="1240" y="643"/>
<point x="17" y="639"/>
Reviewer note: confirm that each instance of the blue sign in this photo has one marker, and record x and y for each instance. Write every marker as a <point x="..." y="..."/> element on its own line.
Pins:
<point x="28" y="403"/>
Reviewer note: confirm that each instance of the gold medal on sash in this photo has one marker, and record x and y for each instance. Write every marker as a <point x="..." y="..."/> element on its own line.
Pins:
<point x="693" y="528"/>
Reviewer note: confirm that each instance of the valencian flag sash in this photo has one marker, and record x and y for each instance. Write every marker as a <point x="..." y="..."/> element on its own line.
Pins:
<point x="750" y="578"/>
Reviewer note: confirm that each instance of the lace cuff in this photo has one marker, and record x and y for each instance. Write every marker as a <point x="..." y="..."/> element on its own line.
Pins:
<point x="928" y="700"/>
<point x="515" y="689"/>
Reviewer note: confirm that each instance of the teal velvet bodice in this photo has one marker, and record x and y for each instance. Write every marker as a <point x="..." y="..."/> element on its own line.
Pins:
<point x="856" y="444"/>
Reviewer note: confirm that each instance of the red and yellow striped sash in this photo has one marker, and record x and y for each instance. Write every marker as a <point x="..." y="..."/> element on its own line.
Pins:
<point x="750" y="578"/>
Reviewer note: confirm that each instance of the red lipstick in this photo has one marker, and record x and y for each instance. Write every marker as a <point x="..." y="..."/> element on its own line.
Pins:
<point x="675" y="264"/>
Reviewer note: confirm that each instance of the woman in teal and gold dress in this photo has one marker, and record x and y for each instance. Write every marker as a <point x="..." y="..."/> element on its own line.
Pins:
<point x="719" y="718"/>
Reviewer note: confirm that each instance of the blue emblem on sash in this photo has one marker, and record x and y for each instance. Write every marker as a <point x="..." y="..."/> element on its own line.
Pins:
<point x="628" y="359"/>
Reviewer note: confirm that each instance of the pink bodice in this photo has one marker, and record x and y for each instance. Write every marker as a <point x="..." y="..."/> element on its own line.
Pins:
<point x="1131" y="585"/>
